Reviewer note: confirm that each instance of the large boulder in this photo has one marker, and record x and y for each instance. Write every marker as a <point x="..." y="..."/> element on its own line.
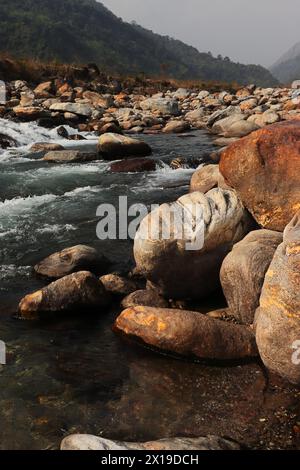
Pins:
<point x="264" y="168"/>
<point x="165" y="106"/>
<point x="113" y="146"/>
<point x="89" y="442"/>
<point x="78" y="291"/>
<point x="188" y="334"/>
<point x="243" y="272"/>
<point x="70" y="260"/>
<point x="277" y="319"/>
<point x="180" y="246"/>
<point x="205" y="178"/>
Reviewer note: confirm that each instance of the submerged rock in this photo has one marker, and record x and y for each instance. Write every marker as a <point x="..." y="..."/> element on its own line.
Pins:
<point x="6" y="141"/>
<point x="74" y="292"/>
<point x="264" y="168"/>
<point x="135" y="165"/>
<point x="89" y="442"/>
<point x="70" y="156"/>
<point x="81" y="109"/>
<point x="180" y="246"/>
<point x="70" y="260"/>
<point x="114" y="146"/>
<point x="189" y="334"/>
<point x="243" y="272"/>
<point x="278" y="316"/>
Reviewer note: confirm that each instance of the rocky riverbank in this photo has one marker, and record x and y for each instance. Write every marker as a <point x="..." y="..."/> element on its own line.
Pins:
<point x="249" y="197"/>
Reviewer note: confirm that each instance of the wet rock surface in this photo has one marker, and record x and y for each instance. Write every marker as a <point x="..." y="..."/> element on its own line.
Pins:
<point x="187" y="333"/>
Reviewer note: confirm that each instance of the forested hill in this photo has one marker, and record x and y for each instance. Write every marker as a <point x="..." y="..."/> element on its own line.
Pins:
<point x="287" y="68"/>
<point x="82" y="31"/>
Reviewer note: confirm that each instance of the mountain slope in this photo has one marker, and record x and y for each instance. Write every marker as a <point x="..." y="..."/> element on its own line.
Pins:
<point x="84" y="31"/>
<point x="287" y="68"/>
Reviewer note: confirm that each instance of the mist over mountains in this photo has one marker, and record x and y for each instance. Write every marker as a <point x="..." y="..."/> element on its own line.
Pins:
<point x="82" y="31"/>
<point x="287" y="67"/>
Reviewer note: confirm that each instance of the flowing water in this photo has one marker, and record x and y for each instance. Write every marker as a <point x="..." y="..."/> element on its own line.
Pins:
<point x="75" y="375"/>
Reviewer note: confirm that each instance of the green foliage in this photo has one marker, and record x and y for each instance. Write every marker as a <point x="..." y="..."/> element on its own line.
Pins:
<point x="82" y="31"/>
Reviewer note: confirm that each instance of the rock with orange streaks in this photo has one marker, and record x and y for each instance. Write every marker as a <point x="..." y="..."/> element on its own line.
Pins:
<point x="81" y="290"/>
<point x="278" y="316"/>
<point x="264" y="169"/>
<point x="186" y="333"/>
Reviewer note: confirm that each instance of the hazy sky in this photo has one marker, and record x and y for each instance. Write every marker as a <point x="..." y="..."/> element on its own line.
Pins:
<point x="248" y="31"/>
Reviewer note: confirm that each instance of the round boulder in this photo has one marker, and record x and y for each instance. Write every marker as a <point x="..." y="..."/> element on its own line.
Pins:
<point x="180" y="246"/>
<point x="113" y="146"/>
<point x="264" y="169"/>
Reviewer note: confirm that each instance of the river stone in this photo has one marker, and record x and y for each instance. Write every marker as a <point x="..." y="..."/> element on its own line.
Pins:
<point x="135" y="165"/>
<point x="45" y="147"/>
<point x="30" y="113"/>
<point x="146" y="297"/>
<point x="70" y="156"/>
<point x="176" y="127"/>
<point x="118" y="285"/>
<point x="70" y="260"/>
<point x="81" y="109"/>
<point x="114" y="146"/>
<point x="89" y="442"/>
<point x="165" y="106"/>
<point x="189" y="334"/>
<point x="278" y="316"/>
<point x="75" y="292"/>
<point x="234" y="126"/>
<point x="181" y="94"/>
<point x="264" y="168"/>
<point x="243" y="272"/>
<point x="194" y="272"/>
<point x="195" y="115"/>
<point x="205" y="178"/>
